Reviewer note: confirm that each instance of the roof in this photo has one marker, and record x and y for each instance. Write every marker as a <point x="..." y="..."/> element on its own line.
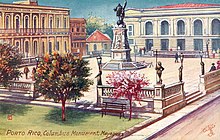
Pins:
<point x="98" y="36"/>
<point x="186" y="5"/>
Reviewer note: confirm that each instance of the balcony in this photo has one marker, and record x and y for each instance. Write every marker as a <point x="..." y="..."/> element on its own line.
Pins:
<point x="34" y="31"/>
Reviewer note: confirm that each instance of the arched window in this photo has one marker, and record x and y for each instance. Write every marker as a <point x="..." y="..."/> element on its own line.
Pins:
<point x="50" y="47"/>
<point x="64" y="23"/>
<point x="43" y="48"/>
<point x="65" y="46"/>
<point x="17" y="23"/>
<point x="43" y="22"/>
<point x="95" y="47"/>
<point x="149" y="28"/>
<point x="58" y="46"/>
<point x="216" y="27"/>
<point x="58" y="23"/>
<point x="180" y="27"/>
<point x="26" y="20"/>
<point x="7" y="22"/>
<point x="17" y="45"/>
<point x="164" y="28"/>
<point x="35" y="48"/>
<point x="35" y="24"/>
<point x="51" y="23"/>
<point x="198" y="27"/>
<point x="26" y="47"/>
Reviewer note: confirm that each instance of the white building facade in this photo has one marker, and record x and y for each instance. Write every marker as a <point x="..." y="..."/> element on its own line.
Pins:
<point x="189" y="27"/>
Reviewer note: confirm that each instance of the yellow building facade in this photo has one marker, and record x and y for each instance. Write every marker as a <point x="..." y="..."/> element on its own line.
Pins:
<point x="34" y="29"/>
<point x="189" y="27"/>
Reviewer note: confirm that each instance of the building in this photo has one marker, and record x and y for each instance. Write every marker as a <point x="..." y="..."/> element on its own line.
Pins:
<point x="189" y="27"/>
<point x="35" y="29"/>
<point x="98" y="42"/>
<point x="78" y="35"/>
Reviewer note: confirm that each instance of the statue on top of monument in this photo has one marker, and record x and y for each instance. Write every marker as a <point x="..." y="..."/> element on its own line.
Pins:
<point x="120" y="13"/>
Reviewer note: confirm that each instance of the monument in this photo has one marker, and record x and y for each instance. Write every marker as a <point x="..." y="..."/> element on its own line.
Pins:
<point x="120" y="51"/>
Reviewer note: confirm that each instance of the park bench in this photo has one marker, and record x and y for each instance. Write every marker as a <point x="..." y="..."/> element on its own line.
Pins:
<point x="113" y="107"/>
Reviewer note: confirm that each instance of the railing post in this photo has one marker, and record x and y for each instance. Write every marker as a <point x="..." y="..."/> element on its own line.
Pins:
<point x="99" y="91"/>
<point x="33" y="90"/>
<point x="159" y="98"/>
<point x="202" y="84"/>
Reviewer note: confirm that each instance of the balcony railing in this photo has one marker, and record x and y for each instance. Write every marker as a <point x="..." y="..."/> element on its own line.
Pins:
<point x="31" y="31"/>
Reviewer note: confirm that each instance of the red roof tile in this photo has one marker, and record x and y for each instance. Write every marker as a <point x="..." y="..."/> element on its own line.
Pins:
<point x="97" y="36"/>
<point x="186" y="5"/>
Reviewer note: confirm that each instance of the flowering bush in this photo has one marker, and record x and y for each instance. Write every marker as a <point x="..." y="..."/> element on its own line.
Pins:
<point x="128" y="85"/>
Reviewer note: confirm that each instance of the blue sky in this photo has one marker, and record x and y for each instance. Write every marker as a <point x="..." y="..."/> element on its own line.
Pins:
<point x="104" y="8"/>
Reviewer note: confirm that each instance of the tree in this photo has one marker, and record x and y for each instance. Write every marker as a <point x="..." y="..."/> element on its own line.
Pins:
<point x="62" y="78"/>
<point x="128" y="85"/>
<point x="97" y="23"/>
<point x="10" y="59"/>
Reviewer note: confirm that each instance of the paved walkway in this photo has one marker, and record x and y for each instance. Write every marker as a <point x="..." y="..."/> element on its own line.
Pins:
<point x="155" y="129"/>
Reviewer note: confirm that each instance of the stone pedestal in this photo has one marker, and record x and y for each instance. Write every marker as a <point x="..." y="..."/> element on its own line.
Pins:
<point x="159" y="98"/>
<point x="120" y="53"/>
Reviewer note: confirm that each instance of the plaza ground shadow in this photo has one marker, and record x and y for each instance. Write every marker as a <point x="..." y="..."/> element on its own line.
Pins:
<point x="73" y="117"/>
<point x="13" y="109"/>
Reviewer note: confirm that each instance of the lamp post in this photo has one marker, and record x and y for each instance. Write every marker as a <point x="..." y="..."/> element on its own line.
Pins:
<point x="156" y="63"/>
<point x="99" y="61"/>
<point x="207" y="47"/>
<point x="181" y="59"/>
<point x="202" y="63"/>
<point x="99" y="78"/>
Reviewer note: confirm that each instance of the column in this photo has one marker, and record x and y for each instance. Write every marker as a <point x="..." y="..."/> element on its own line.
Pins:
<point x="12" y="20"/>
<point x="3" y="20"/>
<point x="31" y="21"/>
<point x="21" y="20"/>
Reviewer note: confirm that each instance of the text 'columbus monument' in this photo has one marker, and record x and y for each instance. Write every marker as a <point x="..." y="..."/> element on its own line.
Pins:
<point x="120" y="51"/>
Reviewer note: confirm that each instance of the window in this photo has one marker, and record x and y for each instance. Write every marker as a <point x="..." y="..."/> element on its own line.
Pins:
<point x="50" y="48"/>
<point x="149" y="28"/>
<point x="72" y="30"/>
<point x="149" y="44"/>
<point x="77" y="29"/>
<point x="164" y="28"/>
<point x="180" y="27"/>
<point x="215" y="44"/>
<point x="95" y="47"/>
<point x="35" y="23"/>
<point x="180" y="44"/>
<point x="7" y="21"/>
<point x="130" y="30"/>
<point x="26" y="22"/>
<point x="131" y="41"/>
<point x="43" y="48"/>
<point x="35" y="47"/>
<point x="215" y="27"/>
<point x="198" y="44"/>
<point x="17" y="21"/>
<point x="58" y="22"/>
<point x="51" y="23"/>
<point x="198" y="27"/>
<point x="58" y="46"/>
<point x="64" y="24"/>
<point x="83" y="29"/>
<point x="164" y="44"/>
<point x="17" y="45"/>
<point x="105" y="47"/>
<point x="65" y="46"/>
<point x="26" y="46"/>
<point x="43" y="22"/>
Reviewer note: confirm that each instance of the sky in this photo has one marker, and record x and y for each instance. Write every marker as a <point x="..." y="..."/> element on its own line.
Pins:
<point x="104" y="8"/>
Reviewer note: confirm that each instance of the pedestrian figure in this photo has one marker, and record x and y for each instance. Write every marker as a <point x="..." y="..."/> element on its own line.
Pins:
<point x="213" y="68"/>
<point x="180" y="73"/>
<point x="176" y="58"/>
<point x="140" y="52"/>
<point x="218" y="64"/>
<point x="33" y="72"/>
<point x="159" y="70"/>
<point x="144" y="50"/>
<point x="26" y="71"/>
